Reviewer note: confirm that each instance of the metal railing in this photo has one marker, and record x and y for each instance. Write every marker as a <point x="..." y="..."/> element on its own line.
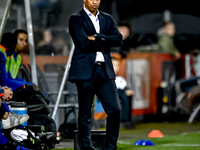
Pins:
<point x="5" y="15"/>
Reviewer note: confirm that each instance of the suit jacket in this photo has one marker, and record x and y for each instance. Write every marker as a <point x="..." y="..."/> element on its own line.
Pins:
<point x="83" y="60"/>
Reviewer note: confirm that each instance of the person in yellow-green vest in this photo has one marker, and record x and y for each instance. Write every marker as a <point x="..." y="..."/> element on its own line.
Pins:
<point x="16" y="59"/>
<point x="7" y="47"/>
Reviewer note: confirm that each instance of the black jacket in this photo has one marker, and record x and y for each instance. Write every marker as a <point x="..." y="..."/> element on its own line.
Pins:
<point x="83" y="60"/>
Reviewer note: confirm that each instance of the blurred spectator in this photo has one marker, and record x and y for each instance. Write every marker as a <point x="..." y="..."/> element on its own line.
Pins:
<point x="45" y="46"/>
<point x="166" y="41"/>
<point x="125" y="95"/>
<point x="129" y="43"/>
<point x="22" y="42"/>
<point x="38" y="36"/>
<point x="60" y="46"/>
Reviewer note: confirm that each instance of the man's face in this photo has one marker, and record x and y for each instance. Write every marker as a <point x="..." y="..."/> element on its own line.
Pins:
<point x="22" y="42"/>
<point x="170" y="29"/>
<point x="92" y="5"/>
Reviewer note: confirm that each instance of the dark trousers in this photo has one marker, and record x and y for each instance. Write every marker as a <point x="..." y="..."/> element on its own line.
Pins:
<point x="2" y="112"/>
<point x="3" y="109"/>
<point x="125" y="106"/>
<point x="106" y="91"/>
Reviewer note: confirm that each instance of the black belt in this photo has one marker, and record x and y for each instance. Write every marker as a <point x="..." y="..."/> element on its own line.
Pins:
<point x="99" y="63"/>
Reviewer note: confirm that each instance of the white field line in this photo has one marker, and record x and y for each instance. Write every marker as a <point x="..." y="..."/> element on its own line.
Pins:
<point x="123" y="142"/>
<point x="180" y="145"/>
<point x="186" y="133"/>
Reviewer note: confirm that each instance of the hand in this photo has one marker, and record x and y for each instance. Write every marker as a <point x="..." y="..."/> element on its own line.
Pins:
<point x="129" y="92"/>
<point x="8" y="93"/>
<point x="177" y="55"/>
<point x="91" y="38"/>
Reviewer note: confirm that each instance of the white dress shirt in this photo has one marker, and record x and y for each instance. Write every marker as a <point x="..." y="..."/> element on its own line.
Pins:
<point x="95" y="21"/>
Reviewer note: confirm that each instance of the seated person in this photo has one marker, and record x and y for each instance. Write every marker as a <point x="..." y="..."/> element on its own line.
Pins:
<point x="124" y="94"/>
<point x="7" y="46"/>
<point x="21" y="38"/>
<point x="125" y="99"/>
<point x="8" y="118"/>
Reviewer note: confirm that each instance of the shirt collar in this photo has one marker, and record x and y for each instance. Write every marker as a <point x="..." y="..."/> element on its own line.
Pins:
<point x="89" y="13"/>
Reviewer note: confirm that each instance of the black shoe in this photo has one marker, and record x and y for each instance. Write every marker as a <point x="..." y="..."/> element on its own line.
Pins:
<point x="128" y="125"/>
<point x="89" y="148"/>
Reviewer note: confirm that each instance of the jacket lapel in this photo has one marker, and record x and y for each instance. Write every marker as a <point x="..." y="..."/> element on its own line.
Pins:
<point x="88" y="21"/>
<point x="101" y="22"/>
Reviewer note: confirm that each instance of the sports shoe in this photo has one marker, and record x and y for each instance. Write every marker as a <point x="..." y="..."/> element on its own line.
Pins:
<point x="14" y="120"/>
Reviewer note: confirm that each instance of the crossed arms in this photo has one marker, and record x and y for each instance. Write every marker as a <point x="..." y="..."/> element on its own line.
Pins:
<point x="88" y="43"/>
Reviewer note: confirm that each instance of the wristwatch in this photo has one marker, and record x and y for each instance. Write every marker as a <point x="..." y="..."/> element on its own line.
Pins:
<point x="95" y="36"/>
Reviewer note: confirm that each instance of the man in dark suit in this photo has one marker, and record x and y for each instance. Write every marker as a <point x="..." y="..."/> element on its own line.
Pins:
<point x="93" y="33"/>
